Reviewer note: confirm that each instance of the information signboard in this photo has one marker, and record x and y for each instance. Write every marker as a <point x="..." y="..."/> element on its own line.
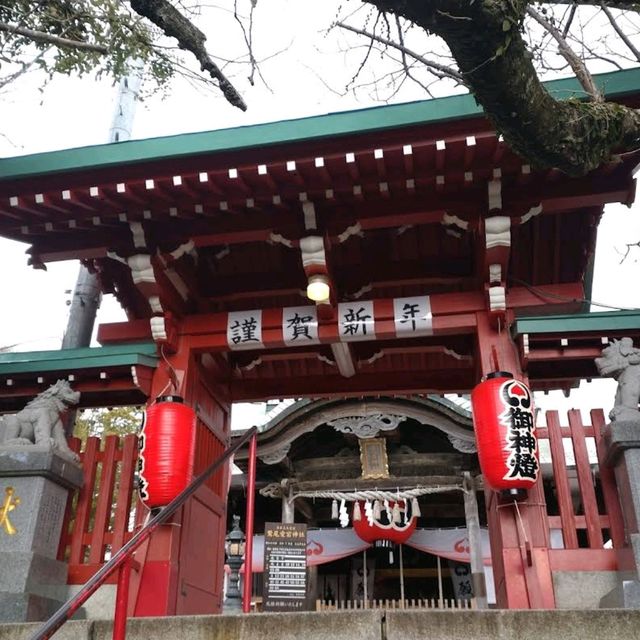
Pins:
<point x="285" y="567"/>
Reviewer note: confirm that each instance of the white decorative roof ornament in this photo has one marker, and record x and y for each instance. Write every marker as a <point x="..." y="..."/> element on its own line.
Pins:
<point x="367" y="426"/>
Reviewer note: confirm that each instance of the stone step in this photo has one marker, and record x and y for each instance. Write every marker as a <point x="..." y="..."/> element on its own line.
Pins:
<point x="603" y="624"/>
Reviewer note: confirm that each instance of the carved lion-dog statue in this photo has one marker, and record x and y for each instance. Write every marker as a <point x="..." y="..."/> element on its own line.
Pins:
<point x="40" y="422"/>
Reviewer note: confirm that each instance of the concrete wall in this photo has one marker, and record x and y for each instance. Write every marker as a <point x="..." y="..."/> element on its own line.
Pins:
<point x="583" y="589"/>
<point x="99" y="606"/>
<point x="603" y="624"/>
<point x="74" y="630"/>
<point x="359" y="625"/>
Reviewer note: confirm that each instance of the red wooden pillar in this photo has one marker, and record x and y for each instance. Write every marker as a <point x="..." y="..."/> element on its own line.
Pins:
<point x="519" y="533"/>
<point x="182" y="565"/>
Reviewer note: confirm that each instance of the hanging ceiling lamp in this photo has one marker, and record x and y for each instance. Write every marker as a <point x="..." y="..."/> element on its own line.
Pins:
<point x="318" y="288"/>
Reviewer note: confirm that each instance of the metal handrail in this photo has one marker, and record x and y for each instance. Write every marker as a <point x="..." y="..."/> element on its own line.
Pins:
<point x="123" y="555"/>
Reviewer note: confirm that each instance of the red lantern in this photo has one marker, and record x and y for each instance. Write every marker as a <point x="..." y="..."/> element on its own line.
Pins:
<point x="504" y="423"/>
<point x="391" y="531"/>
<point x="167" y="447"/>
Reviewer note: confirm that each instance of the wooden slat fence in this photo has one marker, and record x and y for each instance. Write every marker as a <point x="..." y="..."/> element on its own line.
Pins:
<point x="99" y="517"/>
<point x="591" y="485"/>
<point x="433" y="603"/>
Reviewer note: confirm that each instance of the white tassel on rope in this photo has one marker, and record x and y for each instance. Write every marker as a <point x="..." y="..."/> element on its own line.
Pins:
<point x="368" y="512"/>
<point x="387" y="508"/>
<point x="395" y="513"/>
<point x="356" y="511"/>
<point x="344" y="516"/>
<point x="377" y="510"/>
<point x="334" y="510"/>
<point x="415" y="508"/>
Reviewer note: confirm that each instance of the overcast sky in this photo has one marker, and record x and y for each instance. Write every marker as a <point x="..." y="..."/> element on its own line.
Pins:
<point x="72" y="112"/>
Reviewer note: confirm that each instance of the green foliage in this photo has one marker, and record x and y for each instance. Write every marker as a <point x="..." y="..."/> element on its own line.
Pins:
<point x="109" y="25"/>
<point x="102" y="422"/>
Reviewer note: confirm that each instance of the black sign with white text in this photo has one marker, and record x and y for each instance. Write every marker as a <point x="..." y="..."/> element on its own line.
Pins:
<point x="285" y="567"/>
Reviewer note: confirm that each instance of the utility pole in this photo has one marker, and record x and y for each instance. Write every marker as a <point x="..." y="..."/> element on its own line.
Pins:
<point x="87" y="294"/>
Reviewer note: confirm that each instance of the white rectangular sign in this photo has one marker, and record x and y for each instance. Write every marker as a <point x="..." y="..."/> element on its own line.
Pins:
<point x="244" y="329"/>
<point x="412" y="316"/>
<point x="356" y="321"/>
<point x="300" y="326"/>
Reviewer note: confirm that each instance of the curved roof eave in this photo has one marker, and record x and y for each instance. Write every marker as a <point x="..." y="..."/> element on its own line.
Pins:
<point x="615" y="84"/>
<point x="306" y="415"/>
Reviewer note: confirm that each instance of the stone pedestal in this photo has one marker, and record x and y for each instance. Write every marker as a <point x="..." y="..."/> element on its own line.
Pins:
<point x="622" y="440"/>
<point x="34" y="485"/>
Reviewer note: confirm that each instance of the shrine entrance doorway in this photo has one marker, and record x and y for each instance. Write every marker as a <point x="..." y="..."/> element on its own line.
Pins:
<point x="340" y="467"/>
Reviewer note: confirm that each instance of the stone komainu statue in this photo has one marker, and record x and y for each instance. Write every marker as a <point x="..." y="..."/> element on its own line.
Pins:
<point x="621" y="361"/>
<point x="40" y="422"/>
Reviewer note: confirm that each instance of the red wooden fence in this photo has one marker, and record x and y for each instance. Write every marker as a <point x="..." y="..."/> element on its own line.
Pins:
<point x="99" y="519"/>
<point x="599" y="519"/>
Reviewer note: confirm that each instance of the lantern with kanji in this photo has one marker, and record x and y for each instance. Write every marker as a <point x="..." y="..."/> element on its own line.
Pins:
<point x="167" y="446"/>
<point x="504" y="423"/>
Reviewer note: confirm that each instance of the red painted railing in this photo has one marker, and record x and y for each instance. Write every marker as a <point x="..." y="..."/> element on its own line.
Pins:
<point x="99" y="520"/>
<point x="589" y="485"/>
<point x="122" y="559"/>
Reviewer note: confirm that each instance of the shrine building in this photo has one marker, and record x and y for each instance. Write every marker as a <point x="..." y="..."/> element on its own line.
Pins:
<point x="374" y="266"/>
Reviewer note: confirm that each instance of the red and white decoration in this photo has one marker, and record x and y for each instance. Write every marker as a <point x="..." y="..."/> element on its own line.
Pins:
<point x="328" y="545"/>
<point x="167" y="447"/>
<point x="504" y="422"/>
<point x="393" y="523"/>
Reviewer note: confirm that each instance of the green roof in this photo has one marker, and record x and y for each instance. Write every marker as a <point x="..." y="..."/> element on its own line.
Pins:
<point x="139" y="353"/>
<point x="606" y="322"/>
<point x="614" y="84"/>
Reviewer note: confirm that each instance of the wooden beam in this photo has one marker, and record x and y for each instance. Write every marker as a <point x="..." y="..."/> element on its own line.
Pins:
<point x="453" y="314"/>
<point x="400" y="383"/>
<point x="452" y="482"/>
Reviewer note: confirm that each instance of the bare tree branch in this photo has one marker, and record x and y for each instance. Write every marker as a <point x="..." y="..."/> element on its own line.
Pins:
<point x="435" y="66"/>
<point x="577" y="65"/>
<point x="629" y="246"/>
<point x="620" y="32"/>
<point x="48" y="38"/>
<point x="614" y="4"/>
<point x="485" y="39"/>
<point x="164" y="15"/>
<point x="572" y="15"/>
<point x="403" y="57"/>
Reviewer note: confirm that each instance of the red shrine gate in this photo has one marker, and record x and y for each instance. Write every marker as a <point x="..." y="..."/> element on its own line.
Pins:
<point x="88" y="543"/>
<point x="416" y="231"/>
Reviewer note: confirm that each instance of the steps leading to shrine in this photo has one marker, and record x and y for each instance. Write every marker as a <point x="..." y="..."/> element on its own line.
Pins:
<point x="603" y="624"/>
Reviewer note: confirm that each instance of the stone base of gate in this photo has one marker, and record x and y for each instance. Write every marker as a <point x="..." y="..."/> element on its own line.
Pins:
<point x="625" y="595"/>
<point x="583" y="589"/>
<point x="34" y="486"/>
